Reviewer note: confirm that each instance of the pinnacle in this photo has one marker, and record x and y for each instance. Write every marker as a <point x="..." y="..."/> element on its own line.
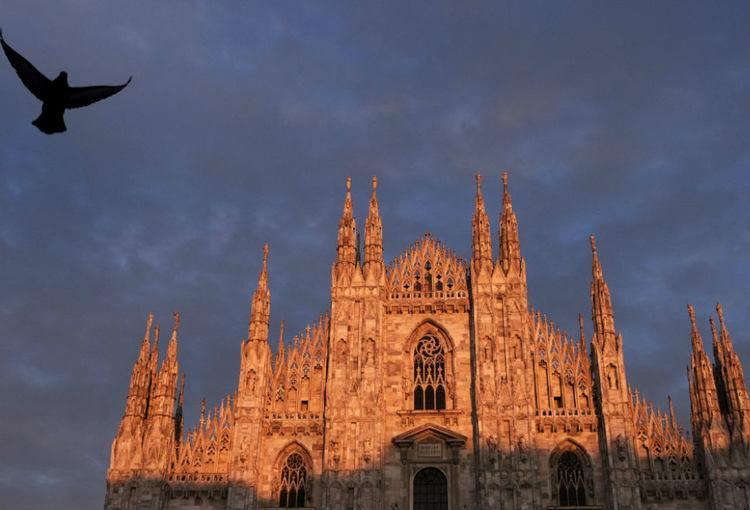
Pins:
<point x="149" y="321"/>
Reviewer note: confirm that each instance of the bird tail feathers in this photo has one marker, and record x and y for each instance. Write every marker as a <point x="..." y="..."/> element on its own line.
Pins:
<point x="50" y="123"/>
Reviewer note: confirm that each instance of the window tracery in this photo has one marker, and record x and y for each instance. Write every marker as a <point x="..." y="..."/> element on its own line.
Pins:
<point x="429" y="374"/>
<point x="293" y="482"/>
<point x="571" y="484"/>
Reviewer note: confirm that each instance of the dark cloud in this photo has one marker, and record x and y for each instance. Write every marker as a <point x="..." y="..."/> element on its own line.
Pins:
<point x="240" y="125"/>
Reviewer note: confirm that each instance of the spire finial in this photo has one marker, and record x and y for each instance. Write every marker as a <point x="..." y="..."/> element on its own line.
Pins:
<point x="596" y="266"/>
<point x="714" y="333"/>
<point x="157" y="329"/>
<point x="672" y="414"/>
<point x="373" y="251"/>
<point x="510" y="244"/>
<point x="478" y="178"/>
<point x="348" y="184"/>
<point x="723" y="327"/>
<point x="260" y="307"/>
<point x="176" y="325"/>
<point x="203" y="411"/>
<point x="149" y="321"/>
<point x="691" y="313"/>
<point x="263" y="277"/>
<point x="694" y="333"/>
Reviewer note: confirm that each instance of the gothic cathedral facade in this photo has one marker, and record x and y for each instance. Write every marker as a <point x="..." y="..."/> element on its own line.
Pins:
<point x="431" y="384"/>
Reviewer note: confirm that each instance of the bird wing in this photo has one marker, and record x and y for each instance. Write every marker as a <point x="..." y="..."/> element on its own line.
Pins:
<point x="79" y="97"/>
<point x="36" y="82"/>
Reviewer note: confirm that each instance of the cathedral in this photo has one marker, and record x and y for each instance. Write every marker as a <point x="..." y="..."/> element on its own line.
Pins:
<point x="431" y="383"/>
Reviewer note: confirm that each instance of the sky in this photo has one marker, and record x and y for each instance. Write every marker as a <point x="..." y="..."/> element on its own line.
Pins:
<point x="243" y="119"/>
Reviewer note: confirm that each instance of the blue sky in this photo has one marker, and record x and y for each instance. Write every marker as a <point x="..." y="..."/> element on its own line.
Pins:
<point x="628" y="120"/>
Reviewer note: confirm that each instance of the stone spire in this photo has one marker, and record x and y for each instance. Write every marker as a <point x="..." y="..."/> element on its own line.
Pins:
<point x="602" y="314"/>
<point x="481" y="255"/>
<point x="260" y="310"/>
<point x="346" y="252"/>
<point x="179" y="422"/>
<point x="145" y="345"/>
<point x="163" y="388"/>
<point x="172" y="346"/>
<point x="695" y="335"/>
<point x="510" y="246"/>
<point x="704" y="403"/>
<point x="373" y="235"/>
<point x="202" y="419"/>
<point x="730" y="381"/>
<point x="127" y="446"/>
<point x="160" y="436"/>
<point x="725" y="338"/>
<point x="672" y="414"/>
<point x="154" y="357"/>
<point x="280" y="353"/>
<point x="582" y="334"/>
<point x="140" y="376"/>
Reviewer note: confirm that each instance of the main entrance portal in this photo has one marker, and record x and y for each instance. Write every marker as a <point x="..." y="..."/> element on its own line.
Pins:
<point x="430" y="490"/>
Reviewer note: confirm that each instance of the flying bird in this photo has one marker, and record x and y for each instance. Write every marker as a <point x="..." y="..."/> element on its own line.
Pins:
<point x="56" y="95"/>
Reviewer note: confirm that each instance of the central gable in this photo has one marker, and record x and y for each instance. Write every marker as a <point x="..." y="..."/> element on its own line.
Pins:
<point x="427" y="271"/>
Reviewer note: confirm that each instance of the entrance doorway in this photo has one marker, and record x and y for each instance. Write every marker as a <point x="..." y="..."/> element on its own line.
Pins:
<point x="430" y="490"/>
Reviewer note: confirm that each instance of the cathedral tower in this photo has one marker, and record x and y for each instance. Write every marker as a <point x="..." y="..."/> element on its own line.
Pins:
<point x="613" y="399"/>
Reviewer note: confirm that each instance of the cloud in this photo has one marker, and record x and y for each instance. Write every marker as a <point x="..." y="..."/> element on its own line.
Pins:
<point x="240" y="126"/>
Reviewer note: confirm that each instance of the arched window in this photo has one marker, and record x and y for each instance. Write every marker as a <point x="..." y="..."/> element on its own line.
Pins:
<point x="571" y="485"/>
<point x="293" y="479"/>
<point x="430" y="490"/>
<point x="429" y="374"/>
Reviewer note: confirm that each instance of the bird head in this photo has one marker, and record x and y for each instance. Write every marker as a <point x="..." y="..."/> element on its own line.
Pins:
<point x="62" y="77"/>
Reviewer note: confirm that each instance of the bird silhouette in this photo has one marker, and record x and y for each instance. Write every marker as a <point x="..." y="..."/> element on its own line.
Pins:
<point x="56" y="95"/>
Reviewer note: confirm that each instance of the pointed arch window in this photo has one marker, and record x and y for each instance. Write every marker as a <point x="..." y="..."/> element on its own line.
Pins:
<point x="571" y="483"/>
<point x="429" y="374"/>
<point x="293" y="481"/>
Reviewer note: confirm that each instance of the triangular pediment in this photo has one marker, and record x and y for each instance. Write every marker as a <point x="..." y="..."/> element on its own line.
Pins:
<point x="426" y="269"/>
<point x="428" y="431"/>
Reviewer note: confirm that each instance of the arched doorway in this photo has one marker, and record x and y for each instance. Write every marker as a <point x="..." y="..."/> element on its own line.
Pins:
<point x="430" y="490"/>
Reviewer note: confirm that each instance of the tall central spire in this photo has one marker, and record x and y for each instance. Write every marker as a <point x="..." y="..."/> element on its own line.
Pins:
<point x="347" y="238"/>
<point x="373" y="233"/>
<point x="480" y="229"/>
<point x="260" y="310"/>
<point x="510" y="246"/>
